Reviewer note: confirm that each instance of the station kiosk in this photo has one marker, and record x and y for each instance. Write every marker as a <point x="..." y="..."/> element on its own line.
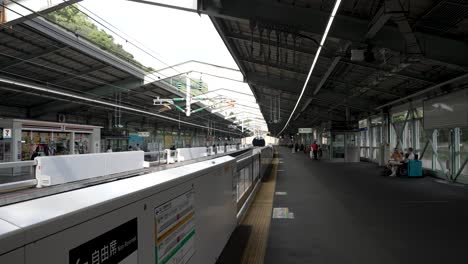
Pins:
<point x="339" y="141"/>
<point x="21" y="138"/>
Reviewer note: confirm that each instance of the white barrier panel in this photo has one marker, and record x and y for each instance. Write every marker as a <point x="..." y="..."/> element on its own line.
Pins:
<point x="53" y="170"/>
<point x="230" y="148"/>
<point x="171" y="156"/>
<point x="220" y="149"/>
<point x="191" y="153"/>
<point x="181" y="215"/>
<point x="210" y="151"/>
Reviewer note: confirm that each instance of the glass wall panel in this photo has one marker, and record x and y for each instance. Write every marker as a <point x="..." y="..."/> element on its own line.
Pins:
<point x="376" y="140"/>
<point x="427" y="157"/>
<point x="393" y="137"/>
<point x="443" y="140"/>
<point x="464" y="151"/>
<point x="82" y="143"/>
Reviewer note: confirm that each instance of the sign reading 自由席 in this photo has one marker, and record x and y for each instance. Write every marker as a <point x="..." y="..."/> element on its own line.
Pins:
<point x="119" y="245"/>
<point x="305" y="130"/>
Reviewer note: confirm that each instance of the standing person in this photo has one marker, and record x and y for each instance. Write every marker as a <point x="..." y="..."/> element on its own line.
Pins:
<point x="109" y="149"/>
<point x="296" y="147"/>
<point x="320" y="152"/>
<point x="46" y="150"/>
<point x="314" y="148"/>
<point x="35" y="153"/>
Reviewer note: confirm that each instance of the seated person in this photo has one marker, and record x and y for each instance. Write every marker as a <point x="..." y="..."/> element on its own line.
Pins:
<point x="410" y="155"/>
<point x="395" y="161"/>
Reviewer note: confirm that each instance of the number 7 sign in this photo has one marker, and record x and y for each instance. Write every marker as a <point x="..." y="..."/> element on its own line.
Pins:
<point x="7" y="133"/>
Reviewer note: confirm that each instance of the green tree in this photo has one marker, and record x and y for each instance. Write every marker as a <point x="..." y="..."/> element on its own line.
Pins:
<point x="72" y="19"/>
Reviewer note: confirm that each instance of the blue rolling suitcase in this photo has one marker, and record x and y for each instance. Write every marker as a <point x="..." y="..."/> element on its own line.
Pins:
<point x="414" y="168"/>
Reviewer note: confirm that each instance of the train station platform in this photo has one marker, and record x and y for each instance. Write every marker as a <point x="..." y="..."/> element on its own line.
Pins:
<point x="348" y="213"/>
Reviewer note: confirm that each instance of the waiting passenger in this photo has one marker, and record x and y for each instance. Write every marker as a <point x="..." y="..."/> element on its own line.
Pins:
<point x="395" y="161"/>
<point x="46" y="150"/>
<point x="109" y="149"/>
<point x="410" y="154"/>
<point x="35" y="153"/>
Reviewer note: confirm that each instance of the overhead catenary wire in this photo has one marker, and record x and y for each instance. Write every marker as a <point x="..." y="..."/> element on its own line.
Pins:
<point x="126" y="39"/>
<point x="110" y="24"/>
<point x="59" y="70"/>
<point x="61" y="99"/>
<point x="91" y="100"/>
<point x="60" y="33"/>
<point x="81" y="76"/>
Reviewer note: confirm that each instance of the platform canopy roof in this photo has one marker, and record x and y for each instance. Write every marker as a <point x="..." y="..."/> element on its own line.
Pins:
<point x="38" y="52"/>
<point x="408" y="47"/>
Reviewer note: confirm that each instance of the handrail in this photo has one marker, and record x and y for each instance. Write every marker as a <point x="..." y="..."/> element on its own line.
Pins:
<point x="17" y="164"/>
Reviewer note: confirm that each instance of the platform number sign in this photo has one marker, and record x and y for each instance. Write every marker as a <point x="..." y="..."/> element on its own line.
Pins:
<point x="6" y="133"/>
<point x="120" y="245"/>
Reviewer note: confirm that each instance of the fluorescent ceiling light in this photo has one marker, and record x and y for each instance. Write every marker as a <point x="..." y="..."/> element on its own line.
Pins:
<point x="317" y="54"/>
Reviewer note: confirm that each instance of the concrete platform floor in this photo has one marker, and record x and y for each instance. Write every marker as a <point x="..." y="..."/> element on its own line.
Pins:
<point x="348" y="213"/>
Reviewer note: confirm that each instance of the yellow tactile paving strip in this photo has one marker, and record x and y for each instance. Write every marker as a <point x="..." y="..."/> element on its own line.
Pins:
<point x="259" y="218"/>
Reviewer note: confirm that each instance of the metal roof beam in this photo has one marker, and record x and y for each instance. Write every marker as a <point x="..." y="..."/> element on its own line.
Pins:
<point x="298" y="48"/>
<point x="29" y="57"/>
<point x="377" y="23"/>
<point x="345" y="27"/>
<point x="384" y="69"/>
<point x="54" y="107"/>
<point x="274" y="65"/>
<point x="278" y="84"/>
<point x="269" y="91"/>
<point x="83" y="46"/>
<point x="80" y="74"/>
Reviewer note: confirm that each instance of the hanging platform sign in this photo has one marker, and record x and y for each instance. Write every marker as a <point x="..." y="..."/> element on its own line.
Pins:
<point x="307" y="130"/>
<point x="144" y="134"/>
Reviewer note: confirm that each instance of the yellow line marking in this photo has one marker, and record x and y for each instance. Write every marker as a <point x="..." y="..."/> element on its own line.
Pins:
<point x="259" y="218"/>
<point x="174" y="228"/>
